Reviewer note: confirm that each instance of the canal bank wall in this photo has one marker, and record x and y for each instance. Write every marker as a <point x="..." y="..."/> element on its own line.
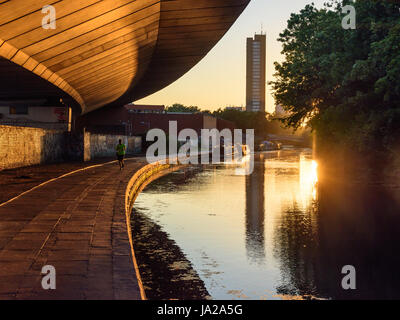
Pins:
<point x="135" y="185"/>
<point x="25" y="146"/>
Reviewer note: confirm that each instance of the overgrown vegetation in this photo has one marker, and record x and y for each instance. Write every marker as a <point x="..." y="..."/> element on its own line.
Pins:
<point x="344" y="83"/>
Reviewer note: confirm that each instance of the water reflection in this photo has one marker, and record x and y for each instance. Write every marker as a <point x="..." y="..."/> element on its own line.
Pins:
<point x="296" y="242"/>
<point x="350" y="224"/>
<point x="359" y="225"/>
<point x="282" y="232"/>
<point x="255" y="213"/>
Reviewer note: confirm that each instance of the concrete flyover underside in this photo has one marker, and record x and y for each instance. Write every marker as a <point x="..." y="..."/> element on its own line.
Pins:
<point x="105" y="52"/>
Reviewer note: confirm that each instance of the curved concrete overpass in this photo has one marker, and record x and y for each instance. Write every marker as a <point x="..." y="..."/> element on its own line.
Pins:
<point x="106" y="52"/>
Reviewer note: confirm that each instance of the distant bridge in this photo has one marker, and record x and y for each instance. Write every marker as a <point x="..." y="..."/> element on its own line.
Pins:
<point x="289" y="139"/>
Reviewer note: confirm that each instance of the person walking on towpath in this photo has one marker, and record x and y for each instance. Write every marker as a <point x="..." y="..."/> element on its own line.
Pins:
<point x="121" y="149"/>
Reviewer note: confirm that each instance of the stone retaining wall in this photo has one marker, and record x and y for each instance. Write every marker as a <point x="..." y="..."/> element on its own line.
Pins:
<point x="22" y="146"/>
<point x="26" y="146"/>
<point x="102" y="145"/>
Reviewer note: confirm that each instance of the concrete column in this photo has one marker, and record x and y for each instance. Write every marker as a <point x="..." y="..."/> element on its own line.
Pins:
<point x="86" y="146"/>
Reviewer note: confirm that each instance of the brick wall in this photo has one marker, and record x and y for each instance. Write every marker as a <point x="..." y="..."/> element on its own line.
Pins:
<point x="140" y="123"/>
<point x="21" y="146"/>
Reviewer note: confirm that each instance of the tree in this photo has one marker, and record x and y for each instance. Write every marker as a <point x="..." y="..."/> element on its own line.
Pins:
<point x="261" y="122"/>
<point x="177" y="107"/>
<point x="343" y="83"/>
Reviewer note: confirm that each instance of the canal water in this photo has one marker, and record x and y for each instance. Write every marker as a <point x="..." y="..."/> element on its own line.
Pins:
<point x="280" y="233"/>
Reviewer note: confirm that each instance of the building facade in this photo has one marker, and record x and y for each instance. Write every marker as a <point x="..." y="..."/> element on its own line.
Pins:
<point x="134" y="108"/>
<point x="34" y="114"/>
<point x="235" y="108"/>
<point x="256" y="73"/>
<point x="139" y="123"/>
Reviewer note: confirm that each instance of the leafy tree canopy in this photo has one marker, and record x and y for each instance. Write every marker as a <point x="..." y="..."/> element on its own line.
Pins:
<point x="343" y="83"/>
<point x="177" y="107"/>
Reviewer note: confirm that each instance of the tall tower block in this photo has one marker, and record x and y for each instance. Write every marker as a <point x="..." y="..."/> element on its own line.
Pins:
<point x="256" y="73"/>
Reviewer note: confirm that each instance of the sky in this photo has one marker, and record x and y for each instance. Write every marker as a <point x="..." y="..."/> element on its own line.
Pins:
<point x="219" y="80"/>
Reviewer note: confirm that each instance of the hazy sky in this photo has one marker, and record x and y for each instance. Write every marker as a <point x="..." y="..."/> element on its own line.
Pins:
<point x="220" y="78"/>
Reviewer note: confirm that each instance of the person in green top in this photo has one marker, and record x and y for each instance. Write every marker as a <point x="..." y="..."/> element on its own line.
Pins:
<point x="121" y="149"/>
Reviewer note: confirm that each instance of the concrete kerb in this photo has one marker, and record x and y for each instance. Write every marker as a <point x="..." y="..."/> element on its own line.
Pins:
<point x="137" y="183"/>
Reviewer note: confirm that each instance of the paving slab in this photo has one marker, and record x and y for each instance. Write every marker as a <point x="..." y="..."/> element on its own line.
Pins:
<point x="75" y="223"/>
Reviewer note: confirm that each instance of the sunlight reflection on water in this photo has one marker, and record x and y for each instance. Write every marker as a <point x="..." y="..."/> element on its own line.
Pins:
<point x="226" y="224"/>
<point x="279" y="233"/>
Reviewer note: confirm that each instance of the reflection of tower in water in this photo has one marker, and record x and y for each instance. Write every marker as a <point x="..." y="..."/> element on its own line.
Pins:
<point x="255" y="201"/>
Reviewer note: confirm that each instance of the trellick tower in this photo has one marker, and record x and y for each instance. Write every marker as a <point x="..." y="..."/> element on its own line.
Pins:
<point x="256" y="73"/>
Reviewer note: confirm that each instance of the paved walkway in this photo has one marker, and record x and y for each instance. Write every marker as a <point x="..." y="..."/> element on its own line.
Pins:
<point x="76" y="224"/>
<point x="15" y="181"/>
